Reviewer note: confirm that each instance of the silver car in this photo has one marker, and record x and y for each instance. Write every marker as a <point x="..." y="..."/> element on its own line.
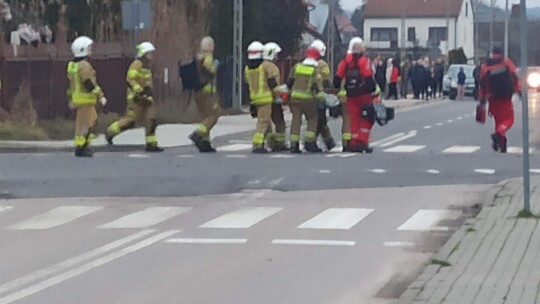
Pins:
<point x="450" y="80"/>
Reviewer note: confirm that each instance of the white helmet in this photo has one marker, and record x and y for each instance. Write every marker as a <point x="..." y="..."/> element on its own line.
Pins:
<point x="355" y="41"/>
<point x="82" y="46"/>
<point x="271" y="49"/>
<point x="144" y="48"/>
<point x="255" y="50"/>
<point x="207" y="44"/>
<point x="319" y="45"/>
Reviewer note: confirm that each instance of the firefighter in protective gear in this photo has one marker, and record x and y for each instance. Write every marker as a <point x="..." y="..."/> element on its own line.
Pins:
<point x="306" y="94"/>
<point x="323" y="69"/>
<point x="260" y="93"/>
<point x="207" y="98"/>
<point x="276" y="140"/>
<point x="141" y="106"/>
<point x="498" y="82"/>
<point x="356" y="72"/>
<point x="84" y="93"/>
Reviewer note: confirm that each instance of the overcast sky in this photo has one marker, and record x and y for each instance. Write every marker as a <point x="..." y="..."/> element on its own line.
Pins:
<point x="351" y="5"/>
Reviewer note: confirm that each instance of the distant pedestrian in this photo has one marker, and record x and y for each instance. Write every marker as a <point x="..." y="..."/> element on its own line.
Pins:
<point x="439" y="76"/>
<point x="380" y="74"/>
<point x="498" y="82"/>
<point x="394" y="80"/>
<point x="461" y="77"/>
<point x="415" y="76"/>
<point x="404" y="83"/>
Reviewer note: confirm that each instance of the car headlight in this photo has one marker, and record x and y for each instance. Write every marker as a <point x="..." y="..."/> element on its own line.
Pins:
<point x="534" y="80"/>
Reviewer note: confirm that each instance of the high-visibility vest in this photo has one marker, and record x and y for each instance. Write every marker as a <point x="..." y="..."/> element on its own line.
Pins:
<point x="79" y="95"/>
<point x="303" y="72"/>
<point x="142" y="78"/>
<point x="259" y="92"/>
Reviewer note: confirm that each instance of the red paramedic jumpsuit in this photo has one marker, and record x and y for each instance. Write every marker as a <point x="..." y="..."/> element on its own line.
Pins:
<point x="360" y="127"/>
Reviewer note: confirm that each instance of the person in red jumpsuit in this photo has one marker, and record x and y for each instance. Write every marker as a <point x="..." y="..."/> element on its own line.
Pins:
<point x="357" y="76"/>
<point x="498" y="82"/>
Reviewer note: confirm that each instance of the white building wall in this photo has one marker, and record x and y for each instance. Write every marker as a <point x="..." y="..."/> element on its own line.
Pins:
<point x="421" y="25"/>
<point x="465" y="30"/>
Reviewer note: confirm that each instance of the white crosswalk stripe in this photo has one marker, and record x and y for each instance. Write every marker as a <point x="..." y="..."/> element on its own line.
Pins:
<point x="243" y="218"/>
<point x="5" y="208"/>
<point x="462" y="149"/>
<point x="337" y="218"/>
<point x="427" y="220"/>
<point x="518" y="150"/>
<point x="235" y="148"/>
<point x="55" y="217"/>
<point x="405" y="149"/>
<point x="146" y="218"/>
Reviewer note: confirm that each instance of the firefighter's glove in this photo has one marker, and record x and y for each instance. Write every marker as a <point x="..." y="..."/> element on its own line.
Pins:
<point x="103" y="101"/>
<point x="253" y="111"/>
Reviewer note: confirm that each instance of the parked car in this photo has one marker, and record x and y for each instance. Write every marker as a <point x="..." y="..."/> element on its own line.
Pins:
<point x="450" y="80"/>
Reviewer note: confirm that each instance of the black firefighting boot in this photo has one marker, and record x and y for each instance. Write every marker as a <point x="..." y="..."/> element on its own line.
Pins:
<point x="330" y="144"/>
<point x="83" y="152"/>
<point x="495" y="142"/>
<point x="312" y="147"/>
<point x="153" y="148"/>
<point x="346" y="146"/>
<point x="295" y="148"/>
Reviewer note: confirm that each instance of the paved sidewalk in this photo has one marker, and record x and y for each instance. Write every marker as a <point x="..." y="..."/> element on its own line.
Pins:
<point x="176" y="135"/>
<point x="493" y="258"/>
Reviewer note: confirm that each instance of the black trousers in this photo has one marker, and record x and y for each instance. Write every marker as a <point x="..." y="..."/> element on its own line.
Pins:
<point x="392" y="90"/>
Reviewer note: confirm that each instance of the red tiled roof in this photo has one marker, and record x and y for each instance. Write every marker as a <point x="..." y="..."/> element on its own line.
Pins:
<point x="344" y="24"/>
<point x="412" y="8"/>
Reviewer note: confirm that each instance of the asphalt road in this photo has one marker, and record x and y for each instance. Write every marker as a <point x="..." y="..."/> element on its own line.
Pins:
<point x="415" y="157"/>
<point x="180" y="227"/>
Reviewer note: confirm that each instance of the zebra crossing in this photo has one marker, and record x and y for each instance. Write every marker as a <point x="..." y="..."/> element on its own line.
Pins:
<point x="332" y="218"/>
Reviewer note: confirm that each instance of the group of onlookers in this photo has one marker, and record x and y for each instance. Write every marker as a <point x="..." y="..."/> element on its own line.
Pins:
<point x="422" y="77"/>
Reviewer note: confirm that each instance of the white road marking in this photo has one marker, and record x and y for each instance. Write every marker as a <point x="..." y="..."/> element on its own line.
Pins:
<point x="427" y="127"/>
<point x="537" y="171"/>
<point x="439" y="124"/>
<point x="236" y="156"/>
<point x="518" y="150"/>
<point x="206" y="241"/>
<point x="146" y="218"/>
<point x="55" y="217"/>
<point x="376" y="143"/>
<point x="325" y="171"/>
<point x="243" y="218"/>
<point x="63" y="266"/>
<point x="235" y="147"/>
<point x="313" y="242"/>
<point x="450" y="121"/>
<point x="276" y="181"/>
<point x="398" y="244"/>
<point x="254" y="182"/>
<point x="459" y="118"/>
<point x="462" y="149"/>
<point x="405" y="149"/>
<point x="33" y="289"/>
<point x="377" y="170"/>
<point x="186" y="156"/>
<point x="433" y="171"/>
<point x="282" y="156"/>
<point x="4" y="208"/>
<point x="341" y="155"/>
<point x="485" y="171"/>
<point x="426" y="220"/>
<point x="337" y="218"/>
<point x="411" y="134"/>
<point x="138" y="156"/>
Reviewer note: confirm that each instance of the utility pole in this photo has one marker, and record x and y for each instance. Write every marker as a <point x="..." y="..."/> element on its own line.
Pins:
<point x="331" y="32"/>
<point x="525" y="108"/>
<point x="403" y="37"/>
<point x="238" y="32"/>
<point x="448" y="30"/>
<point x="492" y="21"/>
<point x="506" y="24"/>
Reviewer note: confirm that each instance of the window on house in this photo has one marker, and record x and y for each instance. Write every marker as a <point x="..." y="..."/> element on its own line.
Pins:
<point x="411" y="34"/>
<point x="437" y="34"/>
<point x="384" y="34"/>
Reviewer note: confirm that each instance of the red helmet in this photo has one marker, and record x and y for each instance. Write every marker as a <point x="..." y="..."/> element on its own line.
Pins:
<point x="313" y="53"/>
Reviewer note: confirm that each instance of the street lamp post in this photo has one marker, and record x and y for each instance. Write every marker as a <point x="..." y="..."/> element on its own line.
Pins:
<point x="506" y="22"/>
<point x="525" y="108"/>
